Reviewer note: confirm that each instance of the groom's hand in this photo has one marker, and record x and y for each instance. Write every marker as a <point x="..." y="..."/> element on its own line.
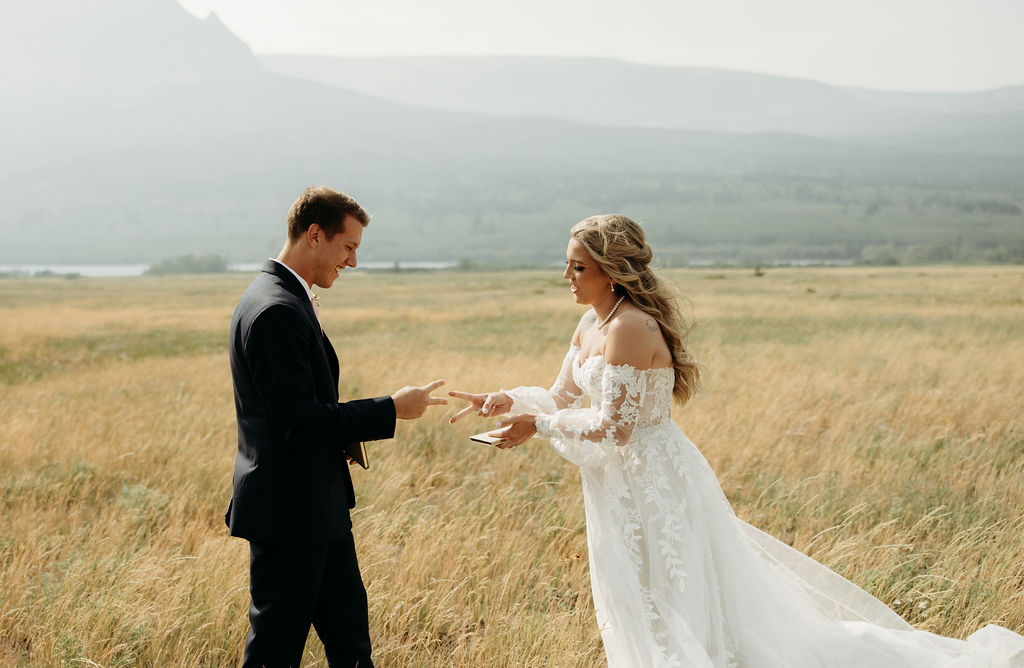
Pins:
<point x="411" y="402"/>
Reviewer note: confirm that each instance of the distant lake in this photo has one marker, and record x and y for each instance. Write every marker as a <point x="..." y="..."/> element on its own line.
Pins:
<point x="781" y="262"/>
<point x="90" y="270"/>
<point x="131" y="270"/>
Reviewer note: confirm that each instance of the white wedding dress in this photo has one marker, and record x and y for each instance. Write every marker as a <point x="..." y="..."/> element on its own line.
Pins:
<point x="679" y="580"/>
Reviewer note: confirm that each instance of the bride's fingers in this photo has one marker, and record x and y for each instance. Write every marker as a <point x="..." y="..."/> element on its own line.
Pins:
<point x="508" y="444"/>
<point x="465" y="411"/>
<point x="466" y="396"/>
<point x="488" y="405"/>
<point x="508" y="420"/>
<point x="501" y="433"/>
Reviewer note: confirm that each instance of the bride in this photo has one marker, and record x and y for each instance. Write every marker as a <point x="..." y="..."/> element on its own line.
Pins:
<point x="677" y="578"/>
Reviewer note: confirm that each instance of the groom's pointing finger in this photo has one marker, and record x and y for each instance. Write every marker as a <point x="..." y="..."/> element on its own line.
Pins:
<point x="430" y="387"/>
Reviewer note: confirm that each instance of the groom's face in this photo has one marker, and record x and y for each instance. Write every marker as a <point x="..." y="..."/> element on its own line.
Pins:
<point x="336" y="253"/>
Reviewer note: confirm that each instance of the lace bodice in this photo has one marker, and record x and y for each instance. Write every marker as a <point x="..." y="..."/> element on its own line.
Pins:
<point x="622" y="399"/>
<point x="655" y="407"/>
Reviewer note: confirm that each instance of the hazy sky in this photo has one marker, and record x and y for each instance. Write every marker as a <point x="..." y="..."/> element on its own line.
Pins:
<point x="940" y="45"/>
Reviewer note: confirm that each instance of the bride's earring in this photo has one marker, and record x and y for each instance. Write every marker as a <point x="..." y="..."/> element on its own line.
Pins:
<point x="612" y="286"/>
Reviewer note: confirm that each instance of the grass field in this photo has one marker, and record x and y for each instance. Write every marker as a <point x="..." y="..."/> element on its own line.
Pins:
<point x="874" y="419"/>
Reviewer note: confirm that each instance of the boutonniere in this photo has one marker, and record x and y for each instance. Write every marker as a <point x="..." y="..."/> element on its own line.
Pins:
<point x="316" y="298"/>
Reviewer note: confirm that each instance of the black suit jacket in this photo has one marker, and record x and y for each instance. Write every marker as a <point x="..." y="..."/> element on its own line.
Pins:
<point x="291" y="480"/>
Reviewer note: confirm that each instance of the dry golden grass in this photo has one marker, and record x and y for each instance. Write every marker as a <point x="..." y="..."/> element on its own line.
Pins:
<point x="871" y="418"/>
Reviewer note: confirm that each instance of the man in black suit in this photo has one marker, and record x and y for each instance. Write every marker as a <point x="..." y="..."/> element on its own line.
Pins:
<point x="292" y="488"/>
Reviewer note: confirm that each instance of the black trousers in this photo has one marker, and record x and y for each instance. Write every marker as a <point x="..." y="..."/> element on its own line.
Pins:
<point x="293" y="586"/>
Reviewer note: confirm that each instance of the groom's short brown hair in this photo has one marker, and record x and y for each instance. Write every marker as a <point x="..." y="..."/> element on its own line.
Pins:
<point x="325" y="207"/>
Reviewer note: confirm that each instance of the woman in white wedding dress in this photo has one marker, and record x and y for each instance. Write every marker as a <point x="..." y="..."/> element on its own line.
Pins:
<point x="677" y="578"/>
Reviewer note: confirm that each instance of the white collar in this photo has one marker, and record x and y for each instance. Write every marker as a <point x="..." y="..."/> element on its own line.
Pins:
<point x="309" y="293"/>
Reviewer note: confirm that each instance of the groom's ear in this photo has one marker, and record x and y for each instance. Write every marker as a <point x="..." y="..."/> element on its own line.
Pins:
<point x="314" y="235"/>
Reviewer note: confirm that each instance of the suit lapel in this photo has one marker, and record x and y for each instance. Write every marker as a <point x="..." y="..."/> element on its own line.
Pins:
<point x="293" y="286"/>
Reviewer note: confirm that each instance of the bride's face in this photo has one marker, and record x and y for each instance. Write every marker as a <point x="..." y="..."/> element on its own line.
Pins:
<point x="588" y="283"/>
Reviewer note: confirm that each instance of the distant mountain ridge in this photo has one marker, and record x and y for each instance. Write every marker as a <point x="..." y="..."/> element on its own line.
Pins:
<point x="617" y="93"/>
<point x="134" y="131"/>
<point x="98" y="49"/>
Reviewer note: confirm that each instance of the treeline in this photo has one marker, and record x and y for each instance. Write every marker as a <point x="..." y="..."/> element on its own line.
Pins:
<point x="188" y="264"/>
<point x="708" y="218"/>
<point x="504" y="219"/>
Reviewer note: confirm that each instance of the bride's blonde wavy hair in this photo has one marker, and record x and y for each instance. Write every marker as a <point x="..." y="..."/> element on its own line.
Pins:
<point x="619" y="247"/>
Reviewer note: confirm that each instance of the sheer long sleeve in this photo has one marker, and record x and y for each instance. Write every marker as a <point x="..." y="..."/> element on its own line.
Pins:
<point x="563" y="394"/>
<point x="589" y="436"/>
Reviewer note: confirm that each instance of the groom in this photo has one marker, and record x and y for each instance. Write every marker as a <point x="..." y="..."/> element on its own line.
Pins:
<point x="292" y="488"/>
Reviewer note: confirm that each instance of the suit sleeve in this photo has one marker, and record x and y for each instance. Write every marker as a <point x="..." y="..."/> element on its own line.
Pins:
<point x="277" y="351"/>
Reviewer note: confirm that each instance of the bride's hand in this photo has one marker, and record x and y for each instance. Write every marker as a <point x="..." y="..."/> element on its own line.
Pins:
<point x="486" y="405"/>
<point x="516" y="430"/>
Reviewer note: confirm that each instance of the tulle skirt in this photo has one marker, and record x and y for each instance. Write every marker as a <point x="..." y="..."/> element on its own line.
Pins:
<point x="679" y="580"/>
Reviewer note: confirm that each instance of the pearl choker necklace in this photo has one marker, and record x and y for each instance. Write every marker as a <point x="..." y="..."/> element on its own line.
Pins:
<point x="611" y="313"/>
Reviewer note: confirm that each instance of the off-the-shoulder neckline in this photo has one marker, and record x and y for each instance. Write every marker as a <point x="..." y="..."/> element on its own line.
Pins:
<point x="579" y="365"/>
